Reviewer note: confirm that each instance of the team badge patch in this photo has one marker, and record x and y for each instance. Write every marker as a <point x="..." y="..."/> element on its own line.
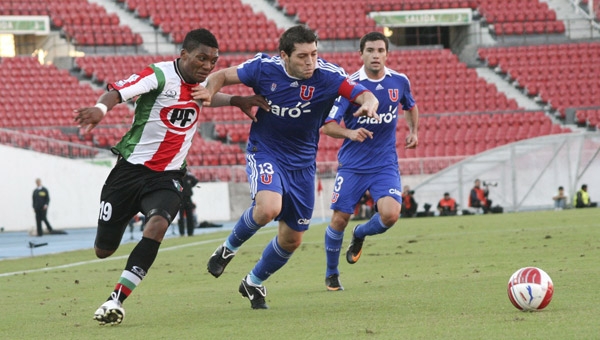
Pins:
<point x="266" y="179"/>
<point x="306" y="92"/>
<point x="393" y="94"/>
<point x="178" y="185"/>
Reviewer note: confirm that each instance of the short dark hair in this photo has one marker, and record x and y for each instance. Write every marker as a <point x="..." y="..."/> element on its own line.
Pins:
<point x="584" y="186"/>
<point x="561" y="188"/>
<point x="446" y="194"/>
<point x="197" y="37"/>
<point x="374" y="36"/>
<point x="298" y="34"/>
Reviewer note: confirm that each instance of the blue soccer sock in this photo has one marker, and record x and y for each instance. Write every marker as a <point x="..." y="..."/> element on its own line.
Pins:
<point x="273" y="258"/>
<point x="333" y="245"/>
<point x="242" y="231"/>
<point x="373" y="227"/>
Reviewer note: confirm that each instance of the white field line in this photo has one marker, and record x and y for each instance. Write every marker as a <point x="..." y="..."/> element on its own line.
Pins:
<point x="81" y="263"/>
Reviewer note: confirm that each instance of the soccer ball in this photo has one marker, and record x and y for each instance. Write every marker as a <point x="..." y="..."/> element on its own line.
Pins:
<point x="530" y="289"/>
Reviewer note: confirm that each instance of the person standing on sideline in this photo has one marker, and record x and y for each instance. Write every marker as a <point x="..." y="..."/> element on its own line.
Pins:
<point x="41" y="199"/>
<point x="368" y="159"/>
<point x="151" y="156"/>
<point x="282" y="148"/>
<point x="186" y="212"/>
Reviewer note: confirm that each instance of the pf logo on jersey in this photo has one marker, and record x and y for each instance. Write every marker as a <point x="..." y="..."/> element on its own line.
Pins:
<point x="180" y="117"/>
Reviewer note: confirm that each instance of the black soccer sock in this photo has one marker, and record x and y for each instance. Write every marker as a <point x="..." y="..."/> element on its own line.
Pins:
<point x="139" y="262"/>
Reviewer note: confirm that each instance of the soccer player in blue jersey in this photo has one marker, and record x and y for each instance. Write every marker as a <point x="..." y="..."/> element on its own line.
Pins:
<point x="281" y="154"/>
<point x="368" y="159"/>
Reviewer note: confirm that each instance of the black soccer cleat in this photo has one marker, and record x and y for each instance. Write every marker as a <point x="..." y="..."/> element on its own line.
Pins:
<point x="219" y="260"/>
<point x="332" y="282"/>
<point x="256" y="294"/>
<point x="354" y="249"/>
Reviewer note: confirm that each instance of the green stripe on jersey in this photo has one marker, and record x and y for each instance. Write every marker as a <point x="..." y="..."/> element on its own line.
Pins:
<point x="143" y="109"/>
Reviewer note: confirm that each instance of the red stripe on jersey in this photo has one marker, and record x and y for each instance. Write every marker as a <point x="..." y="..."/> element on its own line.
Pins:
<point x="133" y="79"/>
<point x="346" y="89"/>
<point x="185" y="91"/>
<point x="168" y="149"/>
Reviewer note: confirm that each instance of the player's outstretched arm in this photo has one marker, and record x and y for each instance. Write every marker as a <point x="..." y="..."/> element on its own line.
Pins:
<point x="412" y="120"/>
<point x="335" y="130"/>
<point x="214" y="83"/>
<point x="89" y="117"/>
<point x="245" y="103"/>
<point x="368" y="105"/>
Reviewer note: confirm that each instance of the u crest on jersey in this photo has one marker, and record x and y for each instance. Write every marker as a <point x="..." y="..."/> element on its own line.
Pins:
<point x="306" y="92"/>
<point x="266" y="178"/>
<point x="393" y="94"/>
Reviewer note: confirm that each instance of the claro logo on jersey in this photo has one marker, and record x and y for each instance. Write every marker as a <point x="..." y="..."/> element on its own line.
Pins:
<point x="394" y="191"/>
<point x="292" y="112"/>
<point x="180" y="117"/>
<point x="386" y="117"/>
<point x="304" y="221"/>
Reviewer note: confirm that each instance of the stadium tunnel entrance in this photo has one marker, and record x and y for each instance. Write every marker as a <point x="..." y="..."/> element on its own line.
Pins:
<point x="424" y="27"/>
<point x="421" y="36"/>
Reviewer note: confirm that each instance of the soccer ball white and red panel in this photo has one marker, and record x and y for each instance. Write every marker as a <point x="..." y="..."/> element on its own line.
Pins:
<point x="530" y="289"/>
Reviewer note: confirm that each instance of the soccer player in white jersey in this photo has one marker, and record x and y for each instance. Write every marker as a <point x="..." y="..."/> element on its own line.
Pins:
<point x="282" y="147"/>
<point x="151" y="156"/>
<point x="368" y="159"/>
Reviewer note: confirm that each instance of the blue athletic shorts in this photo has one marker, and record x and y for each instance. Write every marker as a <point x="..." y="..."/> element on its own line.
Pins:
<point x="295" y="186"/>
<point x="350" y="186"/>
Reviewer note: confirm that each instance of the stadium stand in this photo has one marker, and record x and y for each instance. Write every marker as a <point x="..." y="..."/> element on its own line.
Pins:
<point x="537" y="69"/>
<point x="174" y="18"/>
<point x="353" y="14"/>
<point x="589" y="118"/>
<point x="461" y="113"/>
<point x="82" y="23"/>
<point x="505" y="17"/>
<point x="520" y="17"/>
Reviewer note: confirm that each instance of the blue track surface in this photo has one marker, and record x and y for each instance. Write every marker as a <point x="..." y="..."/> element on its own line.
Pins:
<point x="17" y="244"/>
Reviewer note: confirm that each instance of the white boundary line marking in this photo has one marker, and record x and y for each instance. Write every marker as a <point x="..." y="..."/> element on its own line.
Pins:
<point x="75" y="264"/>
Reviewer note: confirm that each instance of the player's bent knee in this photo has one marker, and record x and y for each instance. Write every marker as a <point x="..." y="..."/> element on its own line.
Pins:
<point x="103" y="253"/>
<point x="389" y="219"/>
<point x="291" y="245"/>
<point x="265" y="215"/>
<point x="160" y="212"/>
<point x="339" y="222"/>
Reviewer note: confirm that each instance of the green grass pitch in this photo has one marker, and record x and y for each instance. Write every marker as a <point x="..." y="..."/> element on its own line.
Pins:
<point x="426" y="278"/>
